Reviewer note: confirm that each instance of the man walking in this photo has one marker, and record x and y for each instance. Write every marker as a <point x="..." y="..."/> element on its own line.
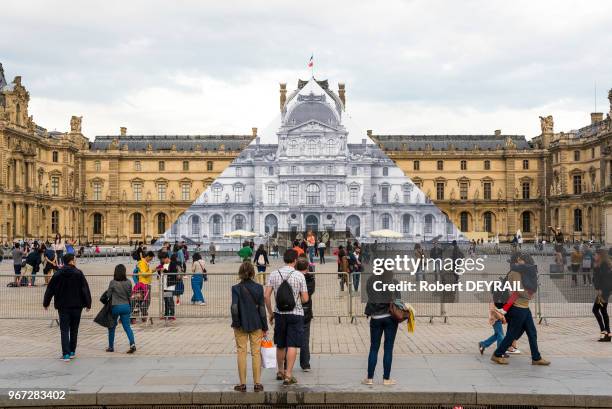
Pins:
<point x="290" y="292"/>
<point x="17" y="262"/>
<point x="71" y="294"/>
<point x="519" y="315"/>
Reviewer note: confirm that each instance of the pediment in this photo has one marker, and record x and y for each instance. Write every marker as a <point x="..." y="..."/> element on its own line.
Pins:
<point x="312" y="126"/>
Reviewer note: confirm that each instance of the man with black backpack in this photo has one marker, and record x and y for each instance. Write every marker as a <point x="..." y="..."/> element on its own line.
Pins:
<point x="523" y="272"/>
<point x="290" y="292"/>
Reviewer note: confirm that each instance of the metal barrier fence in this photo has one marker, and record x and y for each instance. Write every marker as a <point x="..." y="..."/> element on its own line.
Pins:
<point x="557" y="297"/>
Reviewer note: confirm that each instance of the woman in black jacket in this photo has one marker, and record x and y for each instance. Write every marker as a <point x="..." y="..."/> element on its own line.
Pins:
<point x="602" y="281"/>
<point x="261" y="259"/>
<point x="302" y="266"/>
<point x="381" y="322"/>
<point x="249" y="323"/>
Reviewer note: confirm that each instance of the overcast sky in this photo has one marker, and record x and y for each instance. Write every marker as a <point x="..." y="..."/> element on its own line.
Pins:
<point x="200" y="67"/>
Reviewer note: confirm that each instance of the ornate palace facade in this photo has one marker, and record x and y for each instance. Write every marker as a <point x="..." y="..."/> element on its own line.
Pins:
<point x="117" y="189"/>
<point x="128" y="187"/>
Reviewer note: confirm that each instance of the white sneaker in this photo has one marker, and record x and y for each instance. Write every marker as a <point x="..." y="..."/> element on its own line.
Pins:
<point x="201" y="303"/>
<point x="367" y="381"/>
<point x="513" y="351"/>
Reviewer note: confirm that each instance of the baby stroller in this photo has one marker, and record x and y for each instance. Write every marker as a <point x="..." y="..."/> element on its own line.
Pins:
<point x="141" y="299"/>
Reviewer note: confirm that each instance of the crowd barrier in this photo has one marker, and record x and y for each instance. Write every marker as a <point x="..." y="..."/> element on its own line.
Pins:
<point x="557" y="297"/>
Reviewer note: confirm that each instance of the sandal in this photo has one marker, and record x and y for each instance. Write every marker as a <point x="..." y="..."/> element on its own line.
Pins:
<point x="280" y="376"/>
<point x="290" y="381"/>
<point x="258" y="387"/>
<point x="240" y="388"/>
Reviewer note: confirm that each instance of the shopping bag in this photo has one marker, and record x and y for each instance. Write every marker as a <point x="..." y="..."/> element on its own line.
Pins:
<point x="411" y="321"/>
<point x="268" y="354"/>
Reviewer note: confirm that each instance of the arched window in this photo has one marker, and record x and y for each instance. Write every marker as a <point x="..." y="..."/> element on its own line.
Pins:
<point x="449" y="224"/>
<point x="353" y="224"/>
<point x="195" y="225"/>
<point x="239" y="222"/>
<point x="386" y="221"/>
<point x="271" y="223"/>
<point x="313" y="194"/>
<point x="97" y="223"/>
<point x="464" y="220"/>
<point x="428" y="227"/>
<point x="292" y="147"/>
<point x="406" y="224"/>
<point x="577" y="219"/>
<point x="487" y="219"/>
<point x="312" y="147"/>
<point x="137" y="223"/>
<point x="526" y="222"/>
<point x="217" y="225"/>
<point x="161" y="223"/>
<point x="55" y="221"/>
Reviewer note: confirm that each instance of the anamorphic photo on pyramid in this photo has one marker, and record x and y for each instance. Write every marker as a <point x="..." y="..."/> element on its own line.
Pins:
<point x="312" y="172"/>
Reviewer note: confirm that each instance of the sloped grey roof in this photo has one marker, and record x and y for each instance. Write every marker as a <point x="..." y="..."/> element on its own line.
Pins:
<point x="443" y="142"/>
<point x="165" y="142"/>
<point x="307" y="111"/>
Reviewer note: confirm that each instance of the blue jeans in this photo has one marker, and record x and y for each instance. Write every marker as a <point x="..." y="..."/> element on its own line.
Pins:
<point x="311" y="254"/>
<point x="121" y="311"/>
<point x="498" y="335"/>
<point x="197" y="281"/>
<point x="388" y="326"/>
<point x="356" y="278"/>
<point x="520" y="321"/>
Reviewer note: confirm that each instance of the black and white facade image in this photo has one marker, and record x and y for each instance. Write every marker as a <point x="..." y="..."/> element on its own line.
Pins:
<point x="312" y="179"/>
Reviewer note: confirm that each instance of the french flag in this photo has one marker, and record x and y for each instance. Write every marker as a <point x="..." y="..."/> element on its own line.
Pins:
<point x="311" y="61"/>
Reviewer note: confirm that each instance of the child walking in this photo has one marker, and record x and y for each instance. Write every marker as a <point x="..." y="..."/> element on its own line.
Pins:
<point x="496" y="320"/>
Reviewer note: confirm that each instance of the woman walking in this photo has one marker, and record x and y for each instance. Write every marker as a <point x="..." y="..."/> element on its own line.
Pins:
<point x="120" y="291"/>
<point x="602" y="280"/>
<point x="197" y="279"/>
<point x="343" y="267"/>
<point x="59" y="248"/>
<point x="249" y="323"/>
<point x="381" y="322"/>
<point x="261" y="259"/>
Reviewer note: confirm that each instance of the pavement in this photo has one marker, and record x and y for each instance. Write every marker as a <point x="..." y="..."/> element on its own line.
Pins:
<point x="335" y="379"/>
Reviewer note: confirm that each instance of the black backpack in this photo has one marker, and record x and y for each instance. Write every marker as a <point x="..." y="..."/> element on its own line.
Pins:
<point x="285" y="300"/>
<point x="500" y="297"/>
<point x="136" y="255"/>
<point x="529" y="279"/>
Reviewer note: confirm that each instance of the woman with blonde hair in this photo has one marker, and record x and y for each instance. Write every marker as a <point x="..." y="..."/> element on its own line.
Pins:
<point x="249" y="323"/>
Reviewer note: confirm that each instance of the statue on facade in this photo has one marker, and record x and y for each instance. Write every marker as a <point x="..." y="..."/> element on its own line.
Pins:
<point x="500" y="194"/>
<point x="396" y="198"/>
<point x="205" y="198"/>
<point x="476" y="194"/>
<point x="227" y="198"/>
<point x="75" y="124"/>
<point x="547" y="124"/>
<point x="516" y="192"/>
<point x="251" y="199"/>
<point x="373" y="198"/>
<point x="172" y="195"/>
<point x="452" y="194"/>
<point x="124" y="195"/>
<point x="148" y="195"/>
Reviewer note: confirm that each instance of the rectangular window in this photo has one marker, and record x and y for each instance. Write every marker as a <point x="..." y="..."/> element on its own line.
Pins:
<point x="217" y="194"/>
<point x="55" y="186"/>
<point x="487" y="165"/>
<point x="354" y="196"/>
<point x="97" y="166"/>
<point x="209" y="165"/>
<point x="385" y="194"/>
<point x="416" y="165"/>
<point x="576" y="156"/>
<point x="354" y="171"/>
<point x="185" y="165"/>
<point x="592" y="153"/>
<point x="440" y="165"/>
<point x="238" y="171"/>
<point x="137" y="191"/>
<point x="97" y="191"/>
<point x="525" y="164"/>
<point x="271" y="194"/>
<point x="487" y="190"/>
<point x="577" y="184"/>
<point x="161" y="191"/>
<point x="161" y="165"/>
<point x="464" y="165"/>
<point x="463" y="191"/>
<point x="526" y="190"/>
<point x="238" y="189"/>
<point x="331" y="194"/>
<point x="440" y="191"/>
<point x="185" y="191"/>
<point x="55" y="156"/>
<point x="137" y="166"/>
<point x="293" y="194"/>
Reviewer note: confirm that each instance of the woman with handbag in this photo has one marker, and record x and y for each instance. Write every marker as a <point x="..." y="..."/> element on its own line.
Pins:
<point x="602" y="281"/>
<point x="249" y="323"/>
<point x="119" y="294"/>
<point x="378" y="309"/>
<point x="197" y="279"/>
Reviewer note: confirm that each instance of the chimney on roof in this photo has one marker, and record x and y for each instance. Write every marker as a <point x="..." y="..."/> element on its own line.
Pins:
<point x="596" y="117"/>
<point x="341" y="93"/>
<point x="369" y="133"/>
<point x="254" y="130"/>
<point x="498" y="132"/>
<point x="283" y="95"/>
<point x="364" y="141"/>
<point x="123" y="131"/>
<point x="257" y="140"/>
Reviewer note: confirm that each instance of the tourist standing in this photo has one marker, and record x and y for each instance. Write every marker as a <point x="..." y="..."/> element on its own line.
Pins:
<point x="59" y="247"/>
<point x="197" y="279"/>
<point x="575" y="264"/>
<point x="170" y="277"/>
<point x="212" y="251"/>
<point x="519" y="315"/>
<point x="32" y="266"/>
<point x="321" y="250"/>
<point x="302" y="265"/>
<point x="602" y="280"/>
<point x="587" y="263"/>
<point x="246" y="252"/>
<point x="17" y="263"/>
<point x="290" y="291"/>
<point x="50" y="260"/>
<point x="70" y="291"/>
<point x="249" y="323"/>
<point x="381" y="323"/>
<point x="343" y="267"/>
<point x="120" y="292"/>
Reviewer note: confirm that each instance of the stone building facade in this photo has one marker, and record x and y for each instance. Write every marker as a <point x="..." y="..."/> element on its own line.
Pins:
<point x="117" y="189"/>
